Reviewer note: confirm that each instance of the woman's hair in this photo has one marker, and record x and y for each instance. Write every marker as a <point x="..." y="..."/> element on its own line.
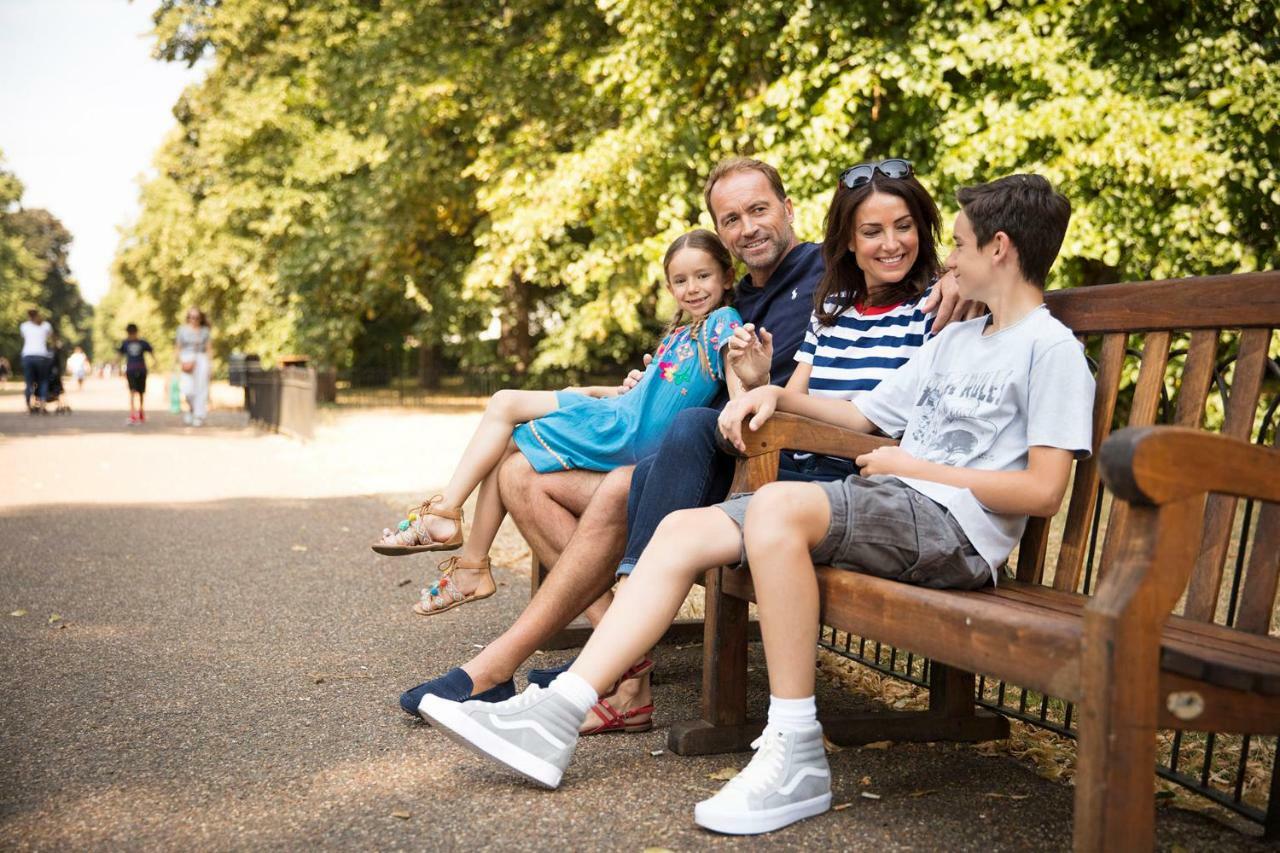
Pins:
<point x="843" y="283"/>
<point x="204" y="321"/>
<point x="704" y="241"/>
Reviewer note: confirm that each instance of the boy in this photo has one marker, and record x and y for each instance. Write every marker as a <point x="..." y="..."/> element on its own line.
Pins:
<point x="135" y="349"/>
<point x="991" y="413"/>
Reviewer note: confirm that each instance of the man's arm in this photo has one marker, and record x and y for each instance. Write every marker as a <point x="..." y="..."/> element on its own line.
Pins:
<point x="1036" y="491"/>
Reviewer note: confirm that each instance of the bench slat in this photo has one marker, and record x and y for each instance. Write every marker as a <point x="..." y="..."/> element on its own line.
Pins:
<point x="1258" y="593"/>
<point x="1220" y="511"/>
<point x="1084" y="492"/>
<point x="1197" y="377"/>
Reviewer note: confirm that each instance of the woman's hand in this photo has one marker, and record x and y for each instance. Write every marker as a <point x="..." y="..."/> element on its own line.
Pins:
<point x="760" y="402"/>
<point x="947" y="305"/>
<point x="751" y="355"/>
<point x="889" y="459"/>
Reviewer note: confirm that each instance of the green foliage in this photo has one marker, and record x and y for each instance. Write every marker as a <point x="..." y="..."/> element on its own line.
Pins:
<point x="353" y="173"/>
<point x="34" y="272"/>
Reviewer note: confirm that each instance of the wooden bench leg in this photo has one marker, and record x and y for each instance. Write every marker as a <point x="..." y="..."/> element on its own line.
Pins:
<point x="724" y="726"/>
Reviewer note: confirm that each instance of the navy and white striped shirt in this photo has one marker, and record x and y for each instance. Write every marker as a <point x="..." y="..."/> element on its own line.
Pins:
<point x="863" y="347"/>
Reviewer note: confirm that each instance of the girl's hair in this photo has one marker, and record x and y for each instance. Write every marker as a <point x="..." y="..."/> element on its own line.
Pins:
<point x="704" y="241"/>
<point x="204" y="321"/>
<point x="843" y="283"/>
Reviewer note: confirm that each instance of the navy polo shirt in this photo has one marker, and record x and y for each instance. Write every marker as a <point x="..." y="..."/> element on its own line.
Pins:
<point x="783" y="306"/>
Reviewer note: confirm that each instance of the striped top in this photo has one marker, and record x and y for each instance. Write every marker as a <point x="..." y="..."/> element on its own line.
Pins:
<point x="864" y="346"/>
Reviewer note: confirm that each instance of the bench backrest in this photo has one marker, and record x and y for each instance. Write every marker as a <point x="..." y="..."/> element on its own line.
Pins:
<point x="1220" y="331"/>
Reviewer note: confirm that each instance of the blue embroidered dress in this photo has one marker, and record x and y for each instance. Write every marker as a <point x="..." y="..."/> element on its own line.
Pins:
<point x="600" y="434"/>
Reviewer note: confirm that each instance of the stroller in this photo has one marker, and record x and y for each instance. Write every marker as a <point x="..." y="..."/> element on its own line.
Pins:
<point x="56" y="391"/>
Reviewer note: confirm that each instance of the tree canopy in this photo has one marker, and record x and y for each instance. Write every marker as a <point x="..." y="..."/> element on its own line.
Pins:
<point x="353" y="172"/>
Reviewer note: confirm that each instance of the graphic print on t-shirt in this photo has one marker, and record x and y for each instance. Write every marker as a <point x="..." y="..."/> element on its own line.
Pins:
<point x="951" y="426"/>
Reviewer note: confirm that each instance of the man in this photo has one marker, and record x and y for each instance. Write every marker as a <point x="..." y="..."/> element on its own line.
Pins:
<point x="577" y="521"/>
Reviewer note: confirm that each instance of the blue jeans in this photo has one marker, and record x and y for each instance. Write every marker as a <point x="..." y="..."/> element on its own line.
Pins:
<point x="35" y="370"/>
<point x="691" y="471"/>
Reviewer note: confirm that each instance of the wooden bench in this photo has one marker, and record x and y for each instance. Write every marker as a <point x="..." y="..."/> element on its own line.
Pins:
<point x="1116" y="651"/>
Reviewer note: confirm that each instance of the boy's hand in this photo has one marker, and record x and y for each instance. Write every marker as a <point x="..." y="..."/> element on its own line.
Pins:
<point x="634" y="377"/>
<point x="761" y="402"/>
<point x="751" y="355"/>
<point x="886" y="460"/>
<point x="945" y="301"/>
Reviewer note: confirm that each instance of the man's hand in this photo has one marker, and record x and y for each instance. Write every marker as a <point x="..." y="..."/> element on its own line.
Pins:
<point x="634" y="377"/>
<point x="751" y="355"/>
<point x="889" y="459"/>
<point x="949" y="307"/>
<point x="761" y="402"/>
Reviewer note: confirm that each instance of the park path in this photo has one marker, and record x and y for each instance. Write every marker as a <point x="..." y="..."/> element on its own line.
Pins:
<point x="198" y="651"/>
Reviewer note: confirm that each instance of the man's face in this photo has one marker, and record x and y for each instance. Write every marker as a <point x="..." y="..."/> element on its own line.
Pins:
<point x="752" y="221"/>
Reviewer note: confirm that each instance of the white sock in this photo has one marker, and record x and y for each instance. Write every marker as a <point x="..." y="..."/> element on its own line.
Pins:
<point x="792" y="715"/>
<point x="575" y="688"/>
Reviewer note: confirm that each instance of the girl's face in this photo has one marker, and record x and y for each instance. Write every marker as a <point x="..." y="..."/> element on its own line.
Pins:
<point x="697" y="281"/>
<point x="193" y="317"/>
<point x="885" y="241"/>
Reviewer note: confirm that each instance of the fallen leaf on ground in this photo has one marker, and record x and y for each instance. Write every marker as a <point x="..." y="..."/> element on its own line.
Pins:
<point x="841" y="807"/>
<point x="401" y="815"/>
<point x="870" y="796"/>
<point x="923" y="793"/>
<point x="902" y="703"/>
<point x="878" y="744"/>
<point x="830" y="746"/>
<point x="656" y="850"/>
<point x="55" y="617"/>
<point x="656" y="752"/>
<point x="18" y="613"/>
<point x="405" y="582"/>
<point x="724" y="774"/>
<point x="299" y="548"/>
<point x="1008" y="796"/>
<point x="346" y="530"/>
<point x="865" y="780"/>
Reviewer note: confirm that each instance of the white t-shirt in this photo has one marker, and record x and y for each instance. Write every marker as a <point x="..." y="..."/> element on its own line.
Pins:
<point x="35" y="338"/>
<point x="980" y="401"/>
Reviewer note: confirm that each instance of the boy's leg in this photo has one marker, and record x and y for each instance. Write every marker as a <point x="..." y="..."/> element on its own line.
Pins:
<point x="784" y="522"/>
<point x="685" y="545"/>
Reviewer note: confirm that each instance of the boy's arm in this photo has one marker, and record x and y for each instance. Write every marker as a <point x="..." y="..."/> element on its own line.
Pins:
<point x="760" y="403"/>
<point x="1038" y="490"/>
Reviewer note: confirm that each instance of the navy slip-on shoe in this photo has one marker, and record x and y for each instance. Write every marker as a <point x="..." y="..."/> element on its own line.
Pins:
<point x="544" y="677"/>
<point x="455" y="685"/>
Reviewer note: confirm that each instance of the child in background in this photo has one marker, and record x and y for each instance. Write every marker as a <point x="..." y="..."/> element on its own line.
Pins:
<point x="135" y="350"/>
<point x="991" y="413"/>
<point x="594" y="429"/>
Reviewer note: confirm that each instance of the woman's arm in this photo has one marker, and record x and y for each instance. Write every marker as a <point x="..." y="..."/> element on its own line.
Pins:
<point x="1036" y="491"/>
<point x="761" y="403"/>
<point x="799" y="381"/>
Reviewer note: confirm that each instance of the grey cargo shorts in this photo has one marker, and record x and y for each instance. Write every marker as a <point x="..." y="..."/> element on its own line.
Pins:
<point x="883" y="527"/>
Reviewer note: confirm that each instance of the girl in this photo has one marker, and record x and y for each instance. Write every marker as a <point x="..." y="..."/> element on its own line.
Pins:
<point x="596" y="428"/>
<point x="881" y="255"/>
<point x="193" y="347"/>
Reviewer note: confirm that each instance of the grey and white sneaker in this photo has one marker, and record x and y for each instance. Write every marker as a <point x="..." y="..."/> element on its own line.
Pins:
<point x="787" y="780"/>
<point x="534" y="732"/>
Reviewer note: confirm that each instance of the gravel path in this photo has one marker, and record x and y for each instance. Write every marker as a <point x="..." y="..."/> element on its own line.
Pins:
<point x="198" y="650"/>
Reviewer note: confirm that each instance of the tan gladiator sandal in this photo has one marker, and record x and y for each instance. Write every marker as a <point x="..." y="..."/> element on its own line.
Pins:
<point x="411" y="536"/>
<point x="445" y="595"/>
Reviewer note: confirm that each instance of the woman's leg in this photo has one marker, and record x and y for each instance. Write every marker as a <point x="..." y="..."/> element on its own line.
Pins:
<point x="488" y="447"/>
<point x="784" y="522"/>
<point x="200" y="395"/>
<point x="686" y="544"/>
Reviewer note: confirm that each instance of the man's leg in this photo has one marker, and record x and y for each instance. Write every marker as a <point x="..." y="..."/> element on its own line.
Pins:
<point x="545" y="507"/>
<point x="584" y="571"/>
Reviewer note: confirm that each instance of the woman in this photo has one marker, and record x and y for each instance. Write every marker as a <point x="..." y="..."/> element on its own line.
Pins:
<point x="194" y="349"/>
<point x="37" y="360"/>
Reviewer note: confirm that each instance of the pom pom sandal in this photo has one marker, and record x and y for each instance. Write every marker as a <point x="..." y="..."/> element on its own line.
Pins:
<point x="411" y="536"/>
<point x="445" y="595"/>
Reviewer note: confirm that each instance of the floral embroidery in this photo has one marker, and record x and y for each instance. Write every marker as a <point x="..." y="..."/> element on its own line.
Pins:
<point x="668" y="370"/>
<point x="685" y="350"/>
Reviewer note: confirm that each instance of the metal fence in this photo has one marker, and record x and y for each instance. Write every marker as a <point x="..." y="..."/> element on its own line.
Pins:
<point x="282" y="399"/>
<point x="1236" y="772"/>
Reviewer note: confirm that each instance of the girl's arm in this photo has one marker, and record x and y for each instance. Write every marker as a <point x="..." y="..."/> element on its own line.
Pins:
<point x="1036" y="491"/>
<point x="731" y="381"/>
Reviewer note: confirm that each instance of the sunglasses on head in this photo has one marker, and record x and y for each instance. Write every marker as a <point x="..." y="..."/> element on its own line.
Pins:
<point x="855" y="176"/>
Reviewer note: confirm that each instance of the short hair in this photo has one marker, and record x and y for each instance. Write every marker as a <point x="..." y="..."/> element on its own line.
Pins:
<point x="33" y="313"/>
<point x="1029" y="210"/>
<point x="131" y="329"/>
<point x="733" y="165"/>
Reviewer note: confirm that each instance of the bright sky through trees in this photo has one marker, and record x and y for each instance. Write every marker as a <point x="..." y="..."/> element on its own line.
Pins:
<point x="83" y="107"/>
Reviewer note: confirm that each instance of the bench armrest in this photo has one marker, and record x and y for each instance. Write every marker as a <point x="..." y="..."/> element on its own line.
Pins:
<point x="1158" y="465"/>
<point x="795" y="432"/>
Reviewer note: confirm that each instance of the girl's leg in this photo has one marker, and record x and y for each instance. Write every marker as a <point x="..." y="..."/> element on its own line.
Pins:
<point x="784" y="522"/>
<point x="686" y="544"/>
<point x="488" y="517"/>
<point x="489" y="445"/>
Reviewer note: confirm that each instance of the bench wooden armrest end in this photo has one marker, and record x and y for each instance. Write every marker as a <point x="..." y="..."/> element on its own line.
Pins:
<point x="1157" y="465"/>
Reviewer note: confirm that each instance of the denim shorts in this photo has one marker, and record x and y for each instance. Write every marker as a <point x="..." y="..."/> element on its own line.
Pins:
<point x="883" y="527"/>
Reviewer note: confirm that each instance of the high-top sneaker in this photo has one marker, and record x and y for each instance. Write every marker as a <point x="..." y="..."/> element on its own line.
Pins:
<point x="533" y="733"/>
<point x="787" y="780"/>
